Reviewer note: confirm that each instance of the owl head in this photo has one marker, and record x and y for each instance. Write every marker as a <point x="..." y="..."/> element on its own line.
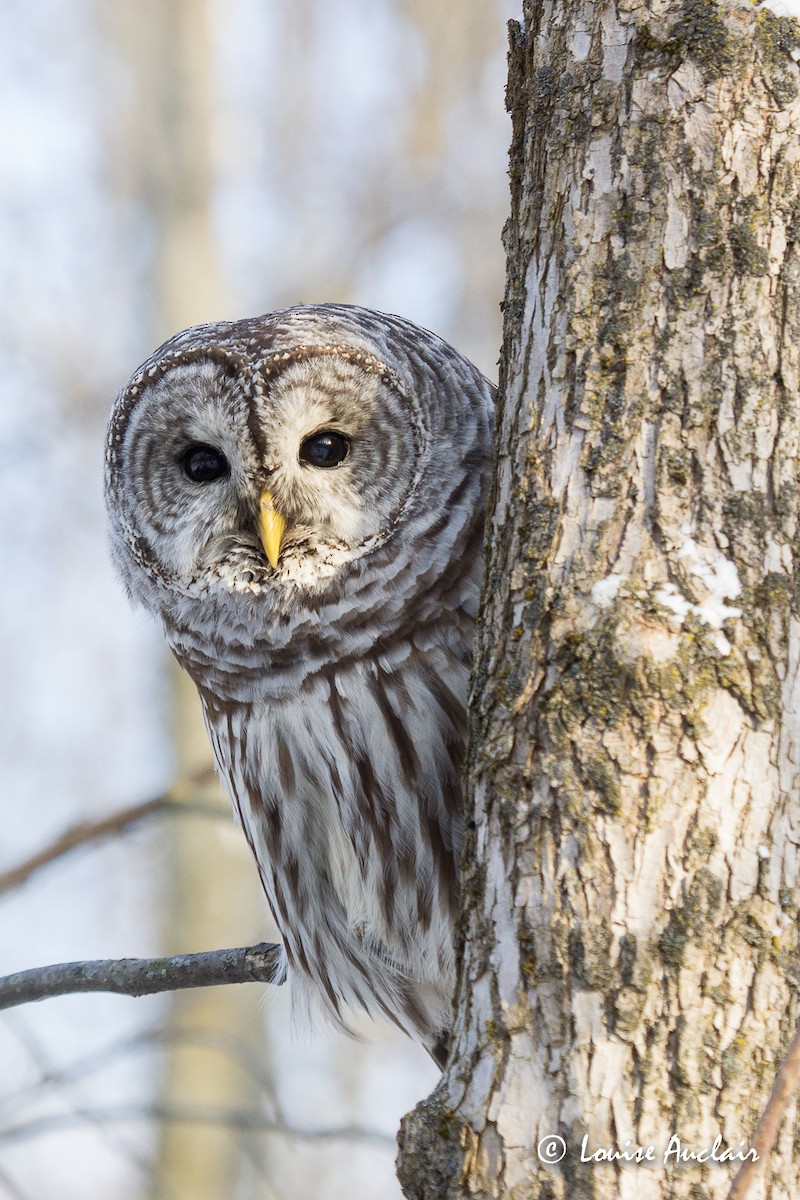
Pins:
<point x="263" y="467"/>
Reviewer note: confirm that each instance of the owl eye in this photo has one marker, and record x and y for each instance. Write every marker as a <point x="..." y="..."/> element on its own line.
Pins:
<point x="325" y="449"/>
<point x="204" y="464"/>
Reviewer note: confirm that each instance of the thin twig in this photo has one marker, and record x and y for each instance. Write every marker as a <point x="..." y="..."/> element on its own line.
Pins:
<point x="151" y="1038"/>
<point x="11" y="1187"/>
<point x="784" y="1087"/>
<point x="114" y="1138"/>
<point x="144" y="976"/>
<point x="244" y="1120"/>
<point x="83" y="833"/>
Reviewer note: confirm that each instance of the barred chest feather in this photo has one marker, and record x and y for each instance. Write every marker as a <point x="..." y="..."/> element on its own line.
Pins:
<point x="349" y="794"/>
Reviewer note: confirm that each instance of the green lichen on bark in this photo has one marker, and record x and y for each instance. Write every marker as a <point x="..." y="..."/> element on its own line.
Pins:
<point x="432" y="1141"/>
<point x="593" y="680"/>
<point x="692" y="922"/>
<point x="590" y="954"/>
<point x="702" y="32"/>
<point x="777" y="37"/>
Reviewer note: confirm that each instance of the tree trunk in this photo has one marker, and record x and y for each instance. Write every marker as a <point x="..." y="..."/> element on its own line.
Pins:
<point x="632" y="877"/>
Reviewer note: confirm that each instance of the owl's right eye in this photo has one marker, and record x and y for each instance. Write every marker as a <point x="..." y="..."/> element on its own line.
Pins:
<point x="204" y="464"/>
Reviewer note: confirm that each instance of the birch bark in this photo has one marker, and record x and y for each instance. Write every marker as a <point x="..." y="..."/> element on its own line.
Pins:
<point x="632" y="886"/>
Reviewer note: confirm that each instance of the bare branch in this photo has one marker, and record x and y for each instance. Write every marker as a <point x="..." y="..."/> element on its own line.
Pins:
<point x="144" y="976"/>
<point x="151" y="1038"/>
<point x="83" y="833"/>
<point x="232" y="1118"/>
<point x="784" y="1087"/>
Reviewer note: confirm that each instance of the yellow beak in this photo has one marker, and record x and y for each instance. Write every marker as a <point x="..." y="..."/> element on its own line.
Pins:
<point x="271" y="527"/>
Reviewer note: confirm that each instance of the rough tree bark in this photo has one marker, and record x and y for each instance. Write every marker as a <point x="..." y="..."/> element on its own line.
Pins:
<point x="632" y="888"/>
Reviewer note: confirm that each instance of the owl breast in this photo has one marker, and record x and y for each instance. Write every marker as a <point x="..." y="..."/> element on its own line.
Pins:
<point x="349" y="794"/>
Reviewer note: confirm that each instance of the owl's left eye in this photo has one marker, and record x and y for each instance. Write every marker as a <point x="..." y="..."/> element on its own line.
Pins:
<point x="324" y="449"/>
<point x="204" y="464"/>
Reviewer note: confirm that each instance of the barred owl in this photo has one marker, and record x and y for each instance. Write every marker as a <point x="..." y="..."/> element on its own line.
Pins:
<point x="299" y="499"/>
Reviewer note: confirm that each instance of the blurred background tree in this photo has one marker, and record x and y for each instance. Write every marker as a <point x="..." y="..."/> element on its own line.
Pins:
<point x="167" y="163"/>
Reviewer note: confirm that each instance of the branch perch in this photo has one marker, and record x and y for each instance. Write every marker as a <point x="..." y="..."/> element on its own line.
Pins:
<point x="84" y="833"/>
<point x="144" y="976"/>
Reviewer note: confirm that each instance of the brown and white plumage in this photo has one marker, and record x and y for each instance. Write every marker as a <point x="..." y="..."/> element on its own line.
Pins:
<point x="334" y="677"/>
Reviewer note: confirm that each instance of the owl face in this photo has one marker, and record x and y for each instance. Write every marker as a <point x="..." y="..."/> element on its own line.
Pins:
<point x="269" y="475"/>
<point x="296" y="486"/>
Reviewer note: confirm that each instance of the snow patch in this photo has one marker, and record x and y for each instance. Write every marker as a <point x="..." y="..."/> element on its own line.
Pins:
<point x="605" y="590"/>
<point x="782" y="8"/>
<point x="720" y="577"/>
